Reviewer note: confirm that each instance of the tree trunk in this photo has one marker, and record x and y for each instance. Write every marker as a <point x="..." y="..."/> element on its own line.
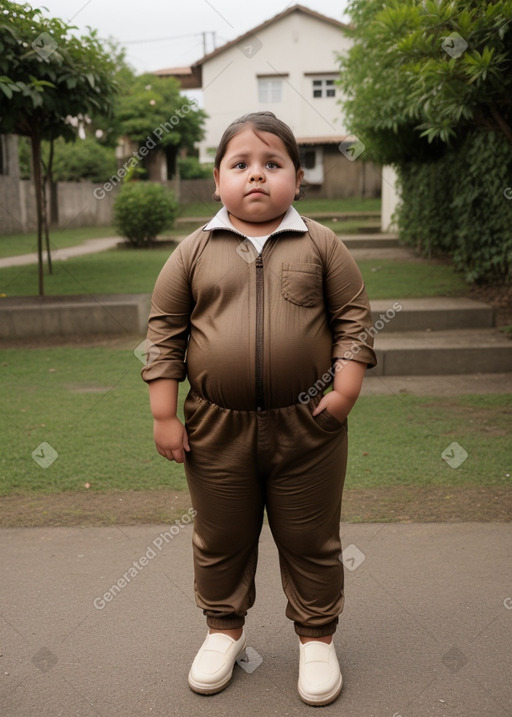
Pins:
<point x="35" y="139"/>
<point x="47" y="185"/>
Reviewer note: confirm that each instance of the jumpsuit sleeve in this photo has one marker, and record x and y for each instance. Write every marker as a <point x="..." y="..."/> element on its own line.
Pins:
<point x="348" y="307"/>
<point x="169" y="322"/>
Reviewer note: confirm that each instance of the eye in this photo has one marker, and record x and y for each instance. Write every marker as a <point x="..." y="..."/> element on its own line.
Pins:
<point x="240" y="165"/>
<point x="272" y="165"/>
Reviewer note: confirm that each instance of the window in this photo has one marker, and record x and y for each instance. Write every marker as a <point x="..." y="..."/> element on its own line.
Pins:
<point x="312" y="161"/>
<point x="324" y="88"/>
<point x="270" y="90"/>
<point x="308" y="158"/>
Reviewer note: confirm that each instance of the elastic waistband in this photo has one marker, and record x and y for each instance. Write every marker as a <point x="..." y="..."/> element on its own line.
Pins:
<point x="312" y="403"/>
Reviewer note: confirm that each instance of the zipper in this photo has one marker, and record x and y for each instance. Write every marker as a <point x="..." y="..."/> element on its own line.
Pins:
<point x="260" y="399"/>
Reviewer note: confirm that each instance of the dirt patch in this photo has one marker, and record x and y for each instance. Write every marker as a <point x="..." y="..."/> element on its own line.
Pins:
<point x="428" y="504"/>
<point x="400" y="504"/>
<point x="93" y="509"/>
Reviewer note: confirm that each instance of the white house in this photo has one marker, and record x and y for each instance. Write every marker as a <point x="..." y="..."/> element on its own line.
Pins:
<point x="287" y="65"/>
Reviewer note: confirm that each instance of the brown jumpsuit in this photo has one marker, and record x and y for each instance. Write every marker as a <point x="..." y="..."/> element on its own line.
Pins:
<point x="256" y="336"/>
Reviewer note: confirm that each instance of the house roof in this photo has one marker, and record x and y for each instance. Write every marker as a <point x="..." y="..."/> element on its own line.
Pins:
<point x="328" y="139"/>
<point x="191" y="77"/>
<point x="267" y="23"/>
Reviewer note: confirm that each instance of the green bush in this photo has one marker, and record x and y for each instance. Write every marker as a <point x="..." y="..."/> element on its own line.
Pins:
<point x="191" y="168"/>
<point x="84" y="159"/>
<point x="460" y="205"/>
<point x="142" y="210"/>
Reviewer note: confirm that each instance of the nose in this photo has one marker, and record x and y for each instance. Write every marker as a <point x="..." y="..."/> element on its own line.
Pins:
<point x="257" y="175"/>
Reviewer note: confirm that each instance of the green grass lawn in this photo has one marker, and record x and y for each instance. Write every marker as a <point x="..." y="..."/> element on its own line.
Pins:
<point x="135" y="271"/>
<point x="91" y="406"/>
<point x="26" y="243"/>
<point x="303" y="206"/>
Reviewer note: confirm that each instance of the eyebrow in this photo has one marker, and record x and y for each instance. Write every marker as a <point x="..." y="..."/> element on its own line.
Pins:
<point x="244" y="155"/>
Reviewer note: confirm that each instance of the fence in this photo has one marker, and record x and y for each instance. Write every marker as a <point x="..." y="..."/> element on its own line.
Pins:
<point x="84" y="204"/>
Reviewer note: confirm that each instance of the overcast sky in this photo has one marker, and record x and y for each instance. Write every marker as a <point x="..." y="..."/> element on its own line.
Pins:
<point x="169" y="33"/>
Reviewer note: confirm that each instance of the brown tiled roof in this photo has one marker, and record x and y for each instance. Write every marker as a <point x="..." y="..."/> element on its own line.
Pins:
<point x="267" y="23"/>
<point x="173" y="71"/>
<point x="328" y="139"/>
<point x="191" y="77"/>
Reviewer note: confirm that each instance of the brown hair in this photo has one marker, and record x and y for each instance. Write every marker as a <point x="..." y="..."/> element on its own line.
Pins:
<point x="262" y="122"/>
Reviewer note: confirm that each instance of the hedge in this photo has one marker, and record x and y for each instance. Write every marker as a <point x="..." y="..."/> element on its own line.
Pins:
<point x="461" y="205"/>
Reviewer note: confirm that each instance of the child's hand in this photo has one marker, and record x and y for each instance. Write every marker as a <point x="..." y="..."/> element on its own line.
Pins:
<point x="336" y="404"/>
<point x="347" y="384"/>
<point x="171" y="438"/>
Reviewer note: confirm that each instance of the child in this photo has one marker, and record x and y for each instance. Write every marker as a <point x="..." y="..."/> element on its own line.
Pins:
<point x="261" y="310"/>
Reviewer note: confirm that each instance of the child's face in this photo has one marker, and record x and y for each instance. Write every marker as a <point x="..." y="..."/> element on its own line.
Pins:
<point x="257" y="181"/>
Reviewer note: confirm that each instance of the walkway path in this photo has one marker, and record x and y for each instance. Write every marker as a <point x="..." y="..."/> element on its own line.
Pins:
<point x="94" y="246"/>
<point x="425" y="629"/>
<point x="90" y="246"/>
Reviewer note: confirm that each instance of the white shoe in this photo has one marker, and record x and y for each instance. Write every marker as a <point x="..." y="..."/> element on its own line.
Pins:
<point x="213" y="665"/>
<point x="320" y="678"/>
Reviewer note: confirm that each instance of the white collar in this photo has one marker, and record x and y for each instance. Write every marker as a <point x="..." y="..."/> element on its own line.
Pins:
<point x="292" y="221"/>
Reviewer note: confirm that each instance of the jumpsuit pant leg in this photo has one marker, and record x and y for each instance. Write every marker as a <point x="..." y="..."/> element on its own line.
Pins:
<point x="227" y="493"/>
<point x="303" y="498"/>
<point x="294" y="464"/>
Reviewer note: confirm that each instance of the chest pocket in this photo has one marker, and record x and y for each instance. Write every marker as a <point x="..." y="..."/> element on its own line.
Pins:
<point x="302" y="284"/>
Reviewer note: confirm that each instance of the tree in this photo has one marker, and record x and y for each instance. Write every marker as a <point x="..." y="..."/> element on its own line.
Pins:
<point x="47" y="76"/>
<point x="154" y="108"/>
<point x="429" y="70"/>
<point x="85" y="159"/>
<point x="429" y="89"/>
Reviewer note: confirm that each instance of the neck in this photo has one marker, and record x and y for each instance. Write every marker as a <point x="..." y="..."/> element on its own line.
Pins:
<point x="252" y="229"/>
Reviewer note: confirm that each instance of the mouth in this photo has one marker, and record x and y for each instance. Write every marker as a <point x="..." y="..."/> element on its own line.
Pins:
<point x="257" y="191"/>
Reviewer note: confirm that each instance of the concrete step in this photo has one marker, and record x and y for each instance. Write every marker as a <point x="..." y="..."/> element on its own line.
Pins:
<point x="114" y="315"/>
<point x="434" y="353"/>
<point x="369" y="241"/>
<point x="436" y="314"/>
<point x="449" y="385"/>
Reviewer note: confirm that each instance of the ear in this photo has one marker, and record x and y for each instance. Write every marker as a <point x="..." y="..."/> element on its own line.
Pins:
<point x="300" y="177"/>
<point x="216" y="178"/>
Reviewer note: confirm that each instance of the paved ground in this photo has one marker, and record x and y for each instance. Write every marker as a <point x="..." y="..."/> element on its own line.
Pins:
<point x="426" y="628"/>
<point x="90" y="246"/>
<point x="93" y="246"/>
